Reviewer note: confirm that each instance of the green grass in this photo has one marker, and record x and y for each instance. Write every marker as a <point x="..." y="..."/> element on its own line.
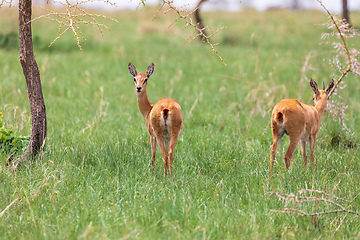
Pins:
<point x="94" y="180"/>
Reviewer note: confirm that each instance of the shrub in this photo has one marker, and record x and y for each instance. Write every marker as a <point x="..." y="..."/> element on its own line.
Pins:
<point x="10" y="141"/>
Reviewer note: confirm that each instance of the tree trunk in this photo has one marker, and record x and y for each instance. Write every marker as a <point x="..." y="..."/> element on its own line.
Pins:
<point x="295" y="5"/>
<point x="199" y="21"/>
<point x="345" y="11"/>
<point x="32" y="76"/>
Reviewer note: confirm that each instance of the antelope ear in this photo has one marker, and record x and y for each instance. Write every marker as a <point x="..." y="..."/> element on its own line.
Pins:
<point x="132" y="69"/>
<point x="314" y="86"/>
<point x="150" y="70"/>
<point x="331" y="85"/>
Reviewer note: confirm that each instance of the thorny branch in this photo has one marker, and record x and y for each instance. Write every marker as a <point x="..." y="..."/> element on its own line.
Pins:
<point x="185" y="15"/>
<point x="293" y="202"/>
<point x="5" y="2"/>
<point x="343" y="30"/>
<point x="74" y="17"/>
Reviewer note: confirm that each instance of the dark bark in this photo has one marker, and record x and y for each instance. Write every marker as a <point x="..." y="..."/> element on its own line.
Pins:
<point x="199" y="21"/>
<point x="32" y="76"/>
<point x="345" y="11"/>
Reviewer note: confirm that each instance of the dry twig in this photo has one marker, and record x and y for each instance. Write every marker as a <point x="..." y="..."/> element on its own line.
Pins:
<point x="346" y="60"/>
<point x="74" y="17"/>
<point x="7" y="207"/>
<point x="343" y="30"/>
<point x="185" y="15"/>
<point x="293" y="203"/>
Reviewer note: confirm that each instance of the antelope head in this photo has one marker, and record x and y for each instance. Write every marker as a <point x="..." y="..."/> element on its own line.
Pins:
<point x="140" y="79"/>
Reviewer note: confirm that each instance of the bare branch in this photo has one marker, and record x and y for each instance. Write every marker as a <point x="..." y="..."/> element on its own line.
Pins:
<point x="198" y="18"/>
<point x="343" y="30"/>
<point x="5" y="2"/>
<point x="73" y="17"/>
<point x="297" y="200"/>
<point x="345" y="60"/>
<point x="185" y="15"/>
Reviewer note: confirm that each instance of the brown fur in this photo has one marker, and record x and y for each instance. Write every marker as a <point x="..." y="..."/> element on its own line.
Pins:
<point x="300" y="121"/>
<point x="164" y="120"/>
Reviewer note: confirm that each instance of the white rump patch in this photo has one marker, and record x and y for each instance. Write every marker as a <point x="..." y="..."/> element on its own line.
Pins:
<point x="168" y="120"/>
<point x="281" y="123"/>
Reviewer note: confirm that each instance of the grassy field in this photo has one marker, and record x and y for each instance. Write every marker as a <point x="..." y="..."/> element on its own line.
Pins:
<point x="94" y="179"/>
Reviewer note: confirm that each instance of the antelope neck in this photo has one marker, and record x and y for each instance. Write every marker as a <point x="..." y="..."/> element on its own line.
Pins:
<point x="320" y="107"/>
<point x="143" y="103"/>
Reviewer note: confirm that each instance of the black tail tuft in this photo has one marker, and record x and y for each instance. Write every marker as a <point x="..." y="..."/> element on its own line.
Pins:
<point x="165" y="113"/>
<point x="279" y="117"/>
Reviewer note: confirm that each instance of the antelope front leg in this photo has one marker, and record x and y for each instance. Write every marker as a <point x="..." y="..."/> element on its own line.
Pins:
<point x="153" y="151"/>
<point x="312" y="149"/>
<point x="303" y="148"/>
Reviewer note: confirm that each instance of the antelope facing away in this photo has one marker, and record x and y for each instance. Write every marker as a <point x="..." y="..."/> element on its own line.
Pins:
<point x="164" y="120"/>
<point x="300" y="122"/>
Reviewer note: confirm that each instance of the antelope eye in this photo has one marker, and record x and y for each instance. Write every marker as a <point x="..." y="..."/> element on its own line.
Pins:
<point x="145" y="80"/>
<point x="134" y="79"/>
